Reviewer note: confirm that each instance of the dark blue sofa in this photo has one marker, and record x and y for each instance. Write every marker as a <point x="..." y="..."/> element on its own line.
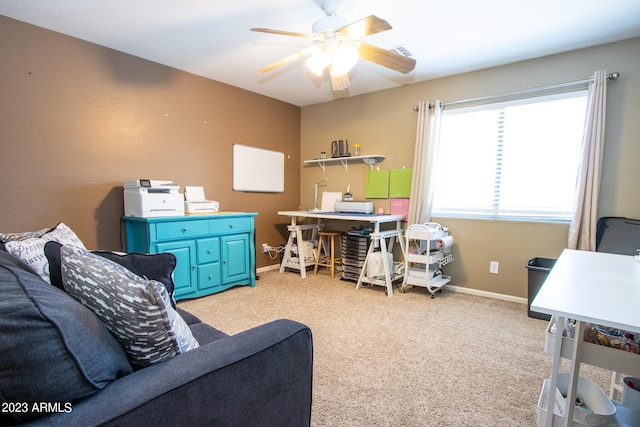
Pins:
<point x="59" y="366"/>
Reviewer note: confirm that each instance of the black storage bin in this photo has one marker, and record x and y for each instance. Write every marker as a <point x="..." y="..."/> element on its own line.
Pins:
<point x="539" y="269"/>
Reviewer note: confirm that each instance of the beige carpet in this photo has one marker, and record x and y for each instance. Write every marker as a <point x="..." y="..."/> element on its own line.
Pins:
<point x="456" y="360"/>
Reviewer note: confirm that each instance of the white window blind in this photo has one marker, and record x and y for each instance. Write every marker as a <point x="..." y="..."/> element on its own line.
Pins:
<point x="511" y="160"/>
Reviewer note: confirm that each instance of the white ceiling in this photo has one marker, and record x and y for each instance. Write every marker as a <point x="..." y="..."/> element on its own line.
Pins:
<point x="211" y="38"/>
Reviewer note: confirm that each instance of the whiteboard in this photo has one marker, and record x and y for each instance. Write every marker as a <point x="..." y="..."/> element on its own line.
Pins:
<point x="257" y="169"/>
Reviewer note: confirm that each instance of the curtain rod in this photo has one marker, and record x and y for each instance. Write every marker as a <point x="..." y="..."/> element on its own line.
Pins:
<point x="612" y="76"/>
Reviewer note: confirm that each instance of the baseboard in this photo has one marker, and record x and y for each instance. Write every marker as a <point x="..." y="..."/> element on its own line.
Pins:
<point x="268" y="268"/>
<point x="486" y="294"/>
<point x="452" y="288"/>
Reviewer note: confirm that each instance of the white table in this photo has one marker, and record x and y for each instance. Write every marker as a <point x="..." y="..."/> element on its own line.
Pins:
<point x="592" y="287"/>
<point x="378" y="238"/>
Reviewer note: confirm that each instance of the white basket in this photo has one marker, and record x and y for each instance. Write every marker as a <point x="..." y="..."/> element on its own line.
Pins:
<point x="626" y="417"/>
<point x="597" y="409"/>
<point x="631" y="396"/>
<point x="375" y="264"/>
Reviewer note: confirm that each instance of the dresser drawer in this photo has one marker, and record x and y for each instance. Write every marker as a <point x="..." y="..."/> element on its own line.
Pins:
<point x="230" y="225"/>
<point x="181" y="229"/>
<point x="209" y="276"/>
<point x="208" y="250"/>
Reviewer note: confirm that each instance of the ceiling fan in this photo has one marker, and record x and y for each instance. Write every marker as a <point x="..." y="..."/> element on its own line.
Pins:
<point x="336" y="46"/>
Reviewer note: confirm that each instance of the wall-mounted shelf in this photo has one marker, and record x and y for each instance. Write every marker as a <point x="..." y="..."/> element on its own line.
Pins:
<point x="370" y="160"/>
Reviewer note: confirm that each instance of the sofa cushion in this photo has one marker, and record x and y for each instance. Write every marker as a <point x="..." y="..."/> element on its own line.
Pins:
<point x="202" y="332"/>
<point x="52" y="348"/>
<point x="189" y="318"/>
<point x="31" y="250"/>
<point x="158" y="267"/>
<point x="205" y="333"/>
<point x="136" y="310"/>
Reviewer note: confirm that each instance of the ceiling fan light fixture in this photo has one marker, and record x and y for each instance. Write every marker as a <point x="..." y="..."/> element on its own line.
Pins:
<point x="343" y="59"/>
<point x="319" y="60"/>
<point x="337" y="46"/>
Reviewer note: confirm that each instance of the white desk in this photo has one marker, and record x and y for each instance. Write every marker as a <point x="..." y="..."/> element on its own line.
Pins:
<point x="378" y="238"/>
<point x="593" y="287"/>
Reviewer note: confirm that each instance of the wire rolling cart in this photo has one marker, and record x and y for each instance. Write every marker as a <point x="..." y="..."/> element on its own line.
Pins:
<point x="427" y="250"/>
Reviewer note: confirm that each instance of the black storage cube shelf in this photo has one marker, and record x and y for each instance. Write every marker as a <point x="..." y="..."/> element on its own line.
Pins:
<point x="539" y="269"/>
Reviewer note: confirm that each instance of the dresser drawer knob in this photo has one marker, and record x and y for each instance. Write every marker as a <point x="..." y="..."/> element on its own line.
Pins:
<point x="209" y="251"/>
<point x="184" y="229"/>
<point x="231" y="225"/>
<point x="210" y="276"/>
<point x="194" y="267"/>
<point x="225" y="261"/>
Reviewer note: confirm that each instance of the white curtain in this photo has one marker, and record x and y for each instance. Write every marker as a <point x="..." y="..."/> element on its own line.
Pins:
<point x="582" y="231"/>
<point x="424" y="161"/>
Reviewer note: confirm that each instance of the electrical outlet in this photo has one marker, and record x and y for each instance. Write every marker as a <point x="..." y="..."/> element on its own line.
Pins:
<point x="265" y="248"/>
<point x="493" y="267"/>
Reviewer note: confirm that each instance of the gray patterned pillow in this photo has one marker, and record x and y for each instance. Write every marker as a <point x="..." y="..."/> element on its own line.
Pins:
<point x="136" y="310"/>
<point x="31" y="249"/>
<point x="12" y="237"/>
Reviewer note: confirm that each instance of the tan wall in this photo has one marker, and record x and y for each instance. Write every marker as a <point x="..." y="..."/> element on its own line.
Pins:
<point x="76" y="120"/>
<point x="385" y="123"/>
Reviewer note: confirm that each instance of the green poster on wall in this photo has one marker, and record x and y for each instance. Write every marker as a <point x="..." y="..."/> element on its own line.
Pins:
<point x="400" y="183"/>
<point x="377" y="185"/>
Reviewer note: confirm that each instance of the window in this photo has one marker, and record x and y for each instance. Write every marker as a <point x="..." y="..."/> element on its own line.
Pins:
<point x="511" y="160"/>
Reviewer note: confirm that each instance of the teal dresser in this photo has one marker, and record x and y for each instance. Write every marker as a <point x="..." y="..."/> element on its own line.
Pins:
<point x="214" y="252"/>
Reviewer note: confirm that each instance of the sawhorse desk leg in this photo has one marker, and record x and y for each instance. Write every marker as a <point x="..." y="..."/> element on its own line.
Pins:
<point x="295" y="237"/>
<point x="380" y="238"/>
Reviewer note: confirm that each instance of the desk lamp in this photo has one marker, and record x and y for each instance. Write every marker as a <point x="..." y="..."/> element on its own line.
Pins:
<point x="315" y="195"/>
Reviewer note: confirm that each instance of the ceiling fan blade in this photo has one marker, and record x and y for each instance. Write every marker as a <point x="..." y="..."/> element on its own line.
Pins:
<point x="365" y="27"/>
<point x="284" y="61"/>
<point x="386" y="58"/>
<point x="340" y="82"/>
<point x="281" y="32"/>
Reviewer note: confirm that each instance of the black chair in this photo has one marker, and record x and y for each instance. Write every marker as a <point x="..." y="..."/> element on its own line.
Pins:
<point x="618" y="235"/>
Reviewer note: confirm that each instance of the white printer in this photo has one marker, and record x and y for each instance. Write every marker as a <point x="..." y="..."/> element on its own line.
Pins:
<point x="197" y="203"/>
<point x="354" y="207"/>
<point x="148" y="198"/>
